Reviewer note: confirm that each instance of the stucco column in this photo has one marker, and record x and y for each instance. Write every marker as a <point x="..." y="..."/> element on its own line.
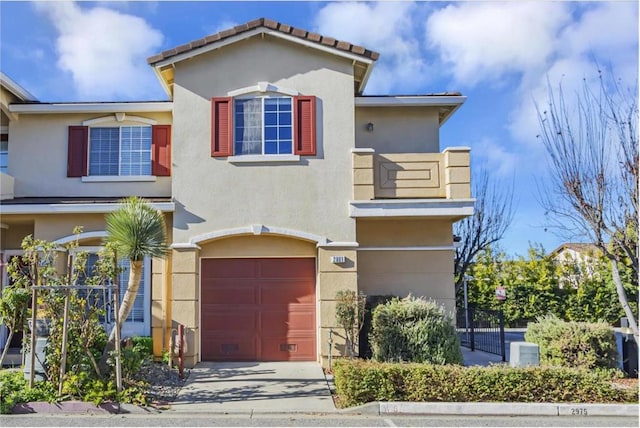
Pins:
<point x="363" y="185"/>
<point x="161" y="305"/>
<point x="185" y="290"/>
<point x="333" y="276"/>
<point x="457" y="172"/>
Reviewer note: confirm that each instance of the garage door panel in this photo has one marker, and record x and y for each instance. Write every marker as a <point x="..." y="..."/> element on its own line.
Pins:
<point x="285" y="321"/>
<point x="287" y="292"/>
<point x="288" y="348"/>
<point x="237" y="320"/>
<point x="229" y="268"/>
<point x="258" y="309"/>
<point x="225" y="292"/>
<point x="229" y="348"/>
<point x="286" y="268"/>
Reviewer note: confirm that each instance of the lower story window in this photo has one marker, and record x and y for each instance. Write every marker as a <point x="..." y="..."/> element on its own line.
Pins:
<point x="137" y="321"/>
<point x="123" y="151"/>
<point x="4" y="154"/>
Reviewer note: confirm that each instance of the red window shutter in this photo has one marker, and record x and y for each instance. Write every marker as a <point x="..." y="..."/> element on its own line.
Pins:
<point x="161" y="150"/>
<point x="304" y="114"/>
<point x="221" y="126"/>
<point x="77" y="151"/>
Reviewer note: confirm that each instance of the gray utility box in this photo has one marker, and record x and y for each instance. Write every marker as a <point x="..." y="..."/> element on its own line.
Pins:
<point x="524" y="354"/>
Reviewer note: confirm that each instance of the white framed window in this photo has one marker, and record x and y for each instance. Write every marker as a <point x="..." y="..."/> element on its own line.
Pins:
<point x="120" y="151"/>
<point x="263" y="125"/>
<point x="138" y="322"/>
<point x="4" y="153"/>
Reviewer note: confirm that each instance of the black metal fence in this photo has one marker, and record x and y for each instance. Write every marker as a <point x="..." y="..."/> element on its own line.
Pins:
<point x="482" y="329"/>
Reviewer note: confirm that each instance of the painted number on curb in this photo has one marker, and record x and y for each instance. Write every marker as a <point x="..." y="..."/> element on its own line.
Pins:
<point x="579" y="411"/>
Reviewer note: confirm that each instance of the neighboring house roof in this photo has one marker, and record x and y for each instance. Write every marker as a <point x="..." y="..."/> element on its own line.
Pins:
<point x="17" y="90"/>
<point x="578" y="247"/>
<point x="363" y="58"/>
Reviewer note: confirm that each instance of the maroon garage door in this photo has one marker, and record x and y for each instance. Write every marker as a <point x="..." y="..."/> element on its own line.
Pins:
<point x="258" y="309"/>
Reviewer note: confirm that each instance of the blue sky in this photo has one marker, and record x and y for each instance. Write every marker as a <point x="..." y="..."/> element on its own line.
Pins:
<point x="498" y="54"/>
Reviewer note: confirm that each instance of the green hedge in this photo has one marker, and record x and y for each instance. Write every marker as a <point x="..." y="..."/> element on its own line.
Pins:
<point x="574" y="344"/>
<point x="358" y="382"/>
<point x="415" y="330"/>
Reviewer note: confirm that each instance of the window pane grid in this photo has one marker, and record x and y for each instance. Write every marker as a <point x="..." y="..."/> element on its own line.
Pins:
<point x="137" y="311"/>
<point x="121" y="151"/>
<point x="263" y="126"/>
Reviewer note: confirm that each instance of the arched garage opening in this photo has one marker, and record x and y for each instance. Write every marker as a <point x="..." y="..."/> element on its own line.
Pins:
<point x="258" y="299"/>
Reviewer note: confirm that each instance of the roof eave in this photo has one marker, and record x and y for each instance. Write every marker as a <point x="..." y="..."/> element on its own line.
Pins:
<point x="138" y="107"/>
<point x="16" y="89"/>
<point x="453" y="102"/>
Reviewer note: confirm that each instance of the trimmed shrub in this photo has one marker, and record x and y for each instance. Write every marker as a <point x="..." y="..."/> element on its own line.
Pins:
<point x="574" y="344"/>
<point x="414" y="330"/>
<point x="359" y="382"/>
<point x="372" y="302"/>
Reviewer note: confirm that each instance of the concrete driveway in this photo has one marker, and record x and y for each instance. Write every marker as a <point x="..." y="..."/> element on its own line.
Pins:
<point x="264" y="387"/>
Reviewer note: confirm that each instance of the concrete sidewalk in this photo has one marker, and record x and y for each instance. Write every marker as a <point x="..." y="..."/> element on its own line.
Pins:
<point x="480" y="358"/>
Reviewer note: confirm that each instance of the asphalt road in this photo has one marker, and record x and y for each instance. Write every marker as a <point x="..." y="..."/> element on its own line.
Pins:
<point x="290" y="420"/>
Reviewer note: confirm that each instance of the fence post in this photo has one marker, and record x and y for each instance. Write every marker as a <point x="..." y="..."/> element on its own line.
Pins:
<point x="473" y="320"/>
<point x="502" y="340"/>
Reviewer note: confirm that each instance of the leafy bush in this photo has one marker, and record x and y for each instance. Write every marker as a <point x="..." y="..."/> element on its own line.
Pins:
<point x="15" y="389"/>
<point x="137" y="351"/>
<point x="415" y="330"/>
<point x="350" y="309"/>
<point x="370" y="304"/>
<point x="574" y="344"/>
<point x="143" y="344"/>
<point x="358" y="382"/>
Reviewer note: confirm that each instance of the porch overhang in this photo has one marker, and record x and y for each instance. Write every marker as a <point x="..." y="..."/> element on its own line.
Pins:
<point x="427" y="208"/>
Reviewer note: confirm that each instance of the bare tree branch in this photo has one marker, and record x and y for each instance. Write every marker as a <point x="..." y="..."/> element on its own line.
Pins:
<point x="592" y="191"/>
<point x="493" y="214"/>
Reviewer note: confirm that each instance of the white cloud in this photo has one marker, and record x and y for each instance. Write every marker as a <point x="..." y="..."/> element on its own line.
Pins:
<point x="384" y="27"/>
<point x="604" y="32"/>
<point x="495" y="158"/>
<point x="104" y="50"/>
<point x="484" y="41"/>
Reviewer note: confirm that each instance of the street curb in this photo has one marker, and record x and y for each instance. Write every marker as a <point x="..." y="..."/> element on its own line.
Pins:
<point x="507" y="409"/>
<point x="77" y="407"/>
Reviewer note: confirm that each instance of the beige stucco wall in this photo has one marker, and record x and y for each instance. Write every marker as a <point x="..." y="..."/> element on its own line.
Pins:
<point x="421" y="271"/>
<point x="310" y="196"/>
<point x="38" y="159"/>
<point x="6" y="98"/>
<point x="398" y="129"/>
<point x="257" y="246"/>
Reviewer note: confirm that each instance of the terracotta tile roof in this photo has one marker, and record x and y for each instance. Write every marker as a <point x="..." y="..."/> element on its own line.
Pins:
<point x="272" y="25"/>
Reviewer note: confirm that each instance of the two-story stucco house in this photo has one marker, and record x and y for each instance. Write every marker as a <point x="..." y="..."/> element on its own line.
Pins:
<point x="280" y="181"/>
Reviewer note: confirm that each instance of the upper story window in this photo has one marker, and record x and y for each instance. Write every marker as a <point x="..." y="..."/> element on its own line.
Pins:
<point x="101" y="148"/>
<point x="263" y="125"/>
<point x="124" y="150"/>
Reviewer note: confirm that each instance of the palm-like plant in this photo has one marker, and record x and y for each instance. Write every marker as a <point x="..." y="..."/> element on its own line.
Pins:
<point x="136" y="230"/>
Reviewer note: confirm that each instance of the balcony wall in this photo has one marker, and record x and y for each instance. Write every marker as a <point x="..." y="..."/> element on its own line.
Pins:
<point x="445" y="175"/>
